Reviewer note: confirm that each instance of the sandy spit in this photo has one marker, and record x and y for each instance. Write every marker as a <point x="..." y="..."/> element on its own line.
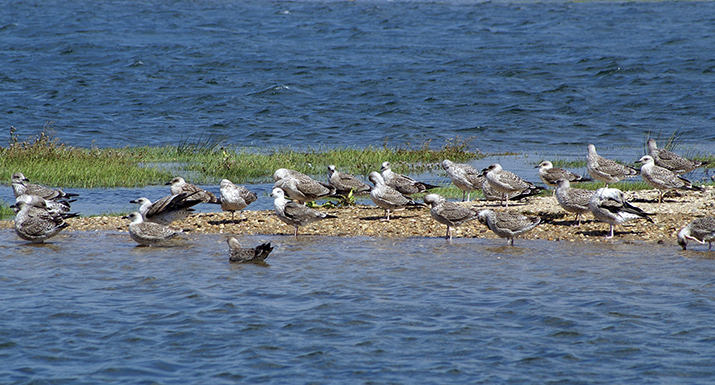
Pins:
<point x="676" y="211"/>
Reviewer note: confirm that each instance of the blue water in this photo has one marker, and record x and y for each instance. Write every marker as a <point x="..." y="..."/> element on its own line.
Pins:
<point x="539" y="79"/>
<point x="518" y="77"/>
<point x="354" y="310"/>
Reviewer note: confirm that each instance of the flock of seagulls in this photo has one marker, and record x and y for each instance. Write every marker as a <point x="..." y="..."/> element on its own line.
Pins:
<point x="41" y="211"/>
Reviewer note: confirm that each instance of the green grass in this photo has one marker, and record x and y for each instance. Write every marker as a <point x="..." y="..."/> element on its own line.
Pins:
<point x="43" y="159"/>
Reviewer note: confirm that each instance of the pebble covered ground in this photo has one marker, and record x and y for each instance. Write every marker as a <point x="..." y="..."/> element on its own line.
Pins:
<point x="676" y="211"/>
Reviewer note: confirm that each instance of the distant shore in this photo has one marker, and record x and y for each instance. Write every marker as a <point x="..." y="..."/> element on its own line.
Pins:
<point x="362" y="220"/>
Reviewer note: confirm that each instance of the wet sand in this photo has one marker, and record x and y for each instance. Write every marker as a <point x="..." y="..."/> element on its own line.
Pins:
<point x="676" y="211"/>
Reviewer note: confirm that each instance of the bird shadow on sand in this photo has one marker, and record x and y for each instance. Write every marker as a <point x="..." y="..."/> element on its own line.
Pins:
<point x="604" y="233"/>
<point x="392" y="217"/>
<point x="228" y="222"/>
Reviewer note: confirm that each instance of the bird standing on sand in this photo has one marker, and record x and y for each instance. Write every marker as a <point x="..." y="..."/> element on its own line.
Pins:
<point x="573" y="200"/>
<point x="464" y="176"/>
<point x="550" y="174"/>
<point x="345" y="183"/>
<point x="237" y="253"/>
<point x="235" y="198"/>
<point x="149" y="233"/>
<point x="700" y="230"/>
<point x="663" y="179"/>
<point x="403" y="183"/>
<point x="20" y="187"/>
<point x="167" y="209"/>
<point x="293" y="213"/>
<point x="610" y="206"/>
<point x="672" y="161"/>
<point x="506" y="182"/>
<point x="179" y="185"/>
<point x="507" y="224"/>
<point x="34" y="223"/>
<point x="448" y="213"/>
<point x="300" y="187"/>
<point x="607" y="170"/>
<point x="387" y="197"/>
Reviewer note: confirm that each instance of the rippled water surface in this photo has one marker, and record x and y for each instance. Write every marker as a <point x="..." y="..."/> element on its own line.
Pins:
<point x="350" y="310"/>
<point x="517" y="76"/>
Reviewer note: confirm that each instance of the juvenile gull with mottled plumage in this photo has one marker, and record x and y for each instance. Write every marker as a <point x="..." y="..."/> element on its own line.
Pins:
<point x="238" y="253"/>
<point x="167" y="209"/>
<point x="448" y="213"/>
<point x="387" y="197"/>
<point x="506" y="182"/>
<point x="403" y="183"/>
<point x="573" y="200"/>
<point x="672" y="161"/>
<point x="507" y="224"/>
<point x="301" y="187"/>
<point x="607" y="170"/>
<point x="550" y="174"/>
<point x="700" y="230"/>
<point x="149" y="233"/>
<point x="20" y="187"/>
<point x="344" y="183"/>
<point x="179" y="185"/>
<point x="33" y="221"/>
<point x="235" y="198"/>
<point x="464" y="176"/>
<point x="663" y="179"/>
<point x="293" y="213"/>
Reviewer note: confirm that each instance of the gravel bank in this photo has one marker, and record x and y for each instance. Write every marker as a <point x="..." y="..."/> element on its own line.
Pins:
<point x="557" y="225"/>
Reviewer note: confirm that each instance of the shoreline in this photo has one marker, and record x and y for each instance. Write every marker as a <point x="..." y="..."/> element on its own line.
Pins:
<point x="674" y="213"/>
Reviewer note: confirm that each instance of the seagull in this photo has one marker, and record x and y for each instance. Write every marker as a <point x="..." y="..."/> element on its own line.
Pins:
<point x="700" y="230"/>
<point x="506" y="182"/>
<point x="56" y="207"/>
<point x="149" y="233"/>
<point x="345" y="183"/>
<point x="607" y="170"/>
<point x="573" y="200"/>
<point x="464" y="176"/>
<point x="301" y="187"/>
<point x="34" y="223"/>
<point x="237" y="253"/>
<point x="550" y="174"/>
<point x="167" y="209"/>
<point x="672" y="161"/>
<point x="19" y="187"/>
<point x="403" y="183"/>
<point x="507" y="224"/>
<point x="235" y="198"/>
<point x="663" y="179"/>
<point x="293" y="213"/>
<point x="491" y="194"/>
<point x="448" y="213"/>
<point x="179" y="185"/>
<point x="387" y="197"/>
<point x="610" y="206"/>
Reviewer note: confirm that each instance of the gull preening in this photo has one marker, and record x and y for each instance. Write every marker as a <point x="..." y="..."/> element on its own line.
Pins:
<point x="238" y="253"/>
<point x="464" y="176"/>
<point x="448" y="213"/>
<point x="507" y="224"/>
<point x="610" y="206"/>
<point x="663" y="179"/>
<point x="235" y="198"/>
<point x="167" y="209"/>
<point x="387" y="197"/>
<point x="293" y="213"/>
<point x="607" y="170"/>
<point x="403" y="183"/>
<point x="700" y="230"/>
<point x="671" y="160"/>
<point x="20" y="187"/>
<point x="506" y="182"/>
<point x="149" y="233"/>
<point x="34" y="222"/>
<point x="300" y="187"/>
<point x="179" y="185"/>
<point x="345" y="183"/>
<point x="550" y="174"/>
<point x="573" y="200"/>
